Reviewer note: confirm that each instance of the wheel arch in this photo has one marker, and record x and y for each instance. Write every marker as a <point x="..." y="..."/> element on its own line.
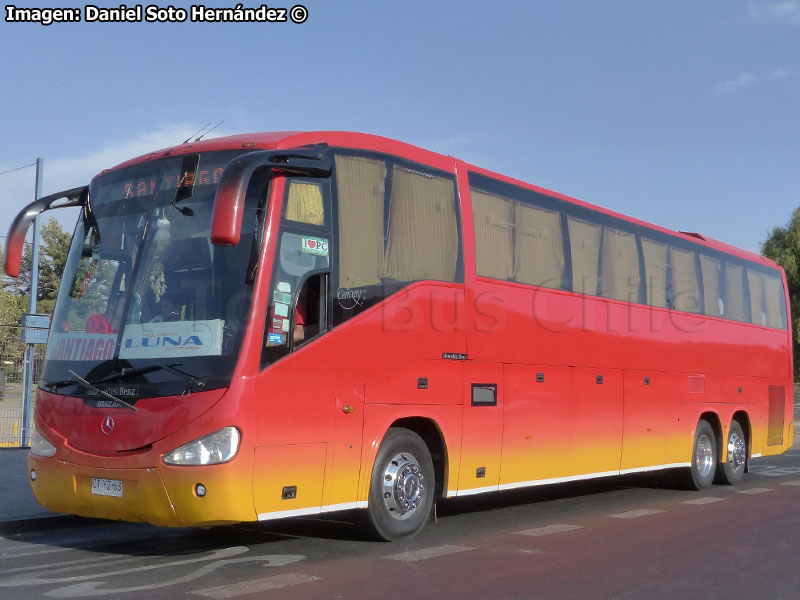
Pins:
<point x="743" y="418"/>
<point x="713" y="419"/>
<point x="431" y="434"/>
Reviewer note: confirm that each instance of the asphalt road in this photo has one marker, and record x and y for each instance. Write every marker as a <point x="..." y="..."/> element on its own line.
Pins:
<point x="631" y="537"/>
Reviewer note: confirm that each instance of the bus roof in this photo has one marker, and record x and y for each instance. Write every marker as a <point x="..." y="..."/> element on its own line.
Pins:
<point x="292" y="139"/>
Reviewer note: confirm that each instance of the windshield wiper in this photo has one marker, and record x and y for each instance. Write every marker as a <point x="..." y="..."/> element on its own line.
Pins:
<point x="94" y="389"/>
<point x="124" y="374"/>
<point x="190" y="378"/>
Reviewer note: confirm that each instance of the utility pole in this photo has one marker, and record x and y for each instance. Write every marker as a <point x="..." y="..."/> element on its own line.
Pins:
<point x="28" y="367"/>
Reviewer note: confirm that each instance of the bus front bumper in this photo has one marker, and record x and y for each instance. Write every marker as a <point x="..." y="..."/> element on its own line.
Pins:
<point x="167" y="499"/>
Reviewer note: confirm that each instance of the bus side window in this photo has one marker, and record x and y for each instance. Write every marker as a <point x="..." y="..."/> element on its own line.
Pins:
<point x="493" y="218"/>
<point x="538" y="246"/>
<point x="774" y="303"/>
<point x="755" y="283"/>
<point x="733" y="295"/>
<point x="766" y="298"/>
<point x="584" y="240"/>
<point x="683" y="291"/>
<point x="655" y="272"/>
<point x="295" y="299"/>
<point x="712" y="299"/>
<point x="518" y="240"/>
<point x="304" y="203"/>
<point x="397" y="225"/>
<point x="620" y="273"/>
<point x="310" y="315"/>
<point x="422" y="234"/>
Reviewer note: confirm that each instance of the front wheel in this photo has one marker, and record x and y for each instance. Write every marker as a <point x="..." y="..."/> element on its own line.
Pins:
<point x="704" y="458"/>
<point x="731" y="471"/>
<point x="402" y="486"/>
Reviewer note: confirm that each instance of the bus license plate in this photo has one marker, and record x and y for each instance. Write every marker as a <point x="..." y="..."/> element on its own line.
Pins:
<point x="107" y="487"/>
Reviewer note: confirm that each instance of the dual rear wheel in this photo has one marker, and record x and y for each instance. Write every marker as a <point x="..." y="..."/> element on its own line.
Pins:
<point x="706" y="467"/>
<point x="403" y="481"/>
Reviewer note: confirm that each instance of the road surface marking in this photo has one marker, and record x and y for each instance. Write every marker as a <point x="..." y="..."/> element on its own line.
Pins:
<point x="795" y="482"/>
<point x="76" y="565"/>
<point x="539" y="531"/>
<point x="755" y="491"/>
<point x="15" y="553"/>
<point x="706" y="500"/>
<point x="426" y="553"/>
<point x="275" y="582"/>
<point x="635" y="514"/>
<point x="771" y="471"/>
<point x="215" y="555"/>
<point x="67" y="540"/>
<point x="83" y="586"/>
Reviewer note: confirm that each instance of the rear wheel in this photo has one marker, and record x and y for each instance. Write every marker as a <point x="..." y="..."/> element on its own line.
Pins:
<point x="401" y="488"/>
<point x="731" y="471"/>
<point x="704" y="458"/>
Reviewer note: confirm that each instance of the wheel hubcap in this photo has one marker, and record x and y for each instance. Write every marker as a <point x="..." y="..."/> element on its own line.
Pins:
<point x="403" y="486"/>
<point x="737" y="452"/>
<point x="704" y="460"/>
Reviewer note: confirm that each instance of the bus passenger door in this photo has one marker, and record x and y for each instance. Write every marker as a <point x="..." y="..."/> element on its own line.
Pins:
<point x="482" y="428"/>
<point x="294" y="421"/>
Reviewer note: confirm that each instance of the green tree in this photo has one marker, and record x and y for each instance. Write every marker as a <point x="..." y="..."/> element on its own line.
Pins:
<point x="11" y="308"/>
<point x="783" y="246"/>
<point x="53" y="258"/>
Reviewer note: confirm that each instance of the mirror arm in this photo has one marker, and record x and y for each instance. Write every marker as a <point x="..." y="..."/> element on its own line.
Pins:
<point x="15" y="242"/>
<point x="226" y="221"/>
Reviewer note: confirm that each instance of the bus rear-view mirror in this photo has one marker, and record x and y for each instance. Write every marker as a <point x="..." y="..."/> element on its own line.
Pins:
<point x="15" y="241"/>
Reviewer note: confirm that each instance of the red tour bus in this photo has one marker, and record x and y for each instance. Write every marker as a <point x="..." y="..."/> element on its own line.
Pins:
<point x="280" y="324"/>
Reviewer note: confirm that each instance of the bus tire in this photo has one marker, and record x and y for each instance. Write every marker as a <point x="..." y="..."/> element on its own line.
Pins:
<point x="401" y="487"/>
<point x="704" y="458"/>
<point x="731" y="471"/>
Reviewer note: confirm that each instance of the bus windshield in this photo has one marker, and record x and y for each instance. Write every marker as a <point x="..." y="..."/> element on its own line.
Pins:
<point x="145" y="298"/>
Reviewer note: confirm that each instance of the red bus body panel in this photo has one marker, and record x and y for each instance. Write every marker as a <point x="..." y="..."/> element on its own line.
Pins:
<point x="586" y="387"/>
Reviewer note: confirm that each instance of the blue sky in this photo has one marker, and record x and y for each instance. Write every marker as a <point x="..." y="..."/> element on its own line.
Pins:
<point x="682" y="113"/>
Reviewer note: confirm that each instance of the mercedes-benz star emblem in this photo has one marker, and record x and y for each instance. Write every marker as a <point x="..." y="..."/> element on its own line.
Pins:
<point x="108" y="425"/>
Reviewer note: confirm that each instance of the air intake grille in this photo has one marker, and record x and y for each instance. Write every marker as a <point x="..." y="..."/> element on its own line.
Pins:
<point x="777" y="402"/>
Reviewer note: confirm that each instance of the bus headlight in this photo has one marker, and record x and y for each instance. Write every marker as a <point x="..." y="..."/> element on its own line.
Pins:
<point x="40" y="446"/>
<point x="213" y="449"/>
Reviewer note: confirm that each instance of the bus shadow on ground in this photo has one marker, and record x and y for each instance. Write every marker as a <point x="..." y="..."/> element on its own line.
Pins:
<point x="348" y="525"/>
<point x="662" y="480"/>
<point x="137" y="539"/>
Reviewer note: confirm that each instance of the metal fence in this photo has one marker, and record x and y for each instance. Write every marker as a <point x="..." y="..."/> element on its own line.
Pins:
<point x="12" y="361"/>
<point x="796" y="402"/>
